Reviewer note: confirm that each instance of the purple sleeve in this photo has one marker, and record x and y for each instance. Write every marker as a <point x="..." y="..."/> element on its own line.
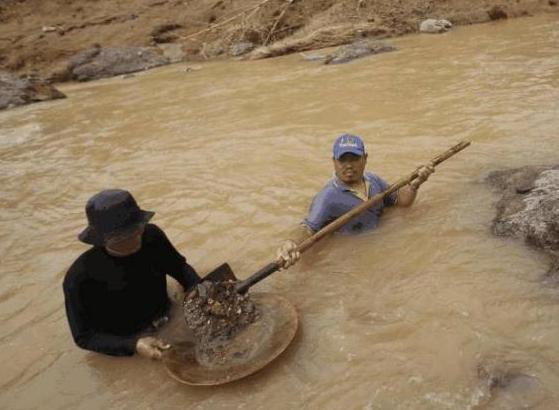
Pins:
<point x="389" y="200"/>
<point x="319" y="212"/>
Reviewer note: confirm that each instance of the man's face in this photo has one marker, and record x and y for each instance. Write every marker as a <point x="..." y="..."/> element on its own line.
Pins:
<point x="126" y="244"/>
<point x="349" y="168"/>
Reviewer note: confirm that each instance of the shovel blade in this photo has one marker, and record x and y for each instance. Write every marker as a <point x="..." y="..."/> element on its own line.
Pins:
<point x="221" y="274"/>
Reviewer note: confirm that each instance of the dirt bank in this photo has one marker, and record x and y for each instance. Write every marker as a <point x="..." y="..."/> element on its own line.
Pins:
<point x="37" y="35"/>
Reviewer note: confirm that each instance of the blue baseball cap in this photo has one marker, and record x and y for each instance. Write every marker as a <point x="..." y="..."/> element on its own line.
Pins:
<point x="348" y="143"/>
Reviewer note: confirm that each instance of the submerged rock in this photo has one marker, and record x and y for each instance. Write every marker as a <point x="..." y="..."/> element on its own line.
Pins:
<point x="15" y="91"/>
<point x="507" y="388"/>
<point x="435" y="26"/>
<point x="358" y="49"/>
<point x="529" y="207"/>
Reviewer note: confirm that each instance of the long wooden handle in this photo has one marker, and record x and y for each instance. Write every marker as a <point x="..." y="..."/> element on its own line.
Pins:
<point x="272" y="267"/>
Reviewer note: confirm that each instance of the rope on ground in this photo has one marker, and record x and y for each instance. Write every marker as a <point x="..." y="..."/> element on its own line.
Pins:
<point x="221" y="23"/>
<point x="289" y="3"/>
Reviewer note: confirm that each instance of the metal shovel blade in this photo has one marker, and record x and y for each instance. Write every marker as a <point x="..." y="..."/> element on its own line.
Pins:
<point x="221" y="274"/>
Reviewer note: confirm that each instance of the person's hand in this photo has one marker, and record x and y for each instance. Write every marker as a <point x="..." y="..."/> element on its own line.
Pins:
<point x="288" y="254"/>
<point x="423" y="173"/>
<point x="151" y="347"/>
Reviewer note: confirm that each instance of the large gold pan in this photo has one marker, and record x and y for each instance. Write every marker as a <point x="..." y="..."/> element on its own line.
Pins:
<point x="248" y="352"/>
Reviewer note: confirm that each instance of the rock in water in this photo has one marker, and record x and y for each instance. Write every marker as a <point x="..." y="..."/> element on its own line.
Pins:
<point x="358" y="49"/>
<point x="97" y="62"/>
<point x="435" y="26"/>
<point x="15" y="91"/>
<point x="529" y="208"/>
<point x="216" y="313"/>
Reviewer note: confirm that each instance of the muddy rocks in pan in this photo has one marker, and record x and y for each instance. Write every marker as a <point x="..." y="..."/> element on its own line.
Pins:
<point x="216" y="313"/>
<point x="529" y="208"/>
<point x="21" y="90"/>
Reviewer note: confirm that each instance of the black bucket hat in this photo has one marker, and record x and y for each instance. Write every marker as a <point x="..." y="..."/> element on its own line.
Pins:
<point x="112" y="212"/>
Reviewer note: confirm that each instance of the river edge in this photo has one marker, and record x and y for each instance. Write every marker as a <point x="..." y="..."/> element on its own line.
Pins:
<point x="41" y="39"/>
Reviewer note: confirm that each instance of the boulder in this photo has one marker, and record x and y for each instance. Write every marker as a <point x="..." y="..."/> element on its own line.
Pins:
<point x="529" y="207"/>
<point x="172" y="51"/>
<point x="358" y="49"/>
<point x="97" y="62"/>
<point x="435" y="26"/>
<point x="15" y="91"/>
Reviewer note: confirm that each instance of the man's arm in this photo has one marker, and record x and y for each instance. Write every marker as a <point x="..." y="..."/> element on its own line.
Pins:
<point x="174" y="264"/>
<point x="319" y="215"/>
<point x="408" y="193"/>
<point x="85" y="335"/>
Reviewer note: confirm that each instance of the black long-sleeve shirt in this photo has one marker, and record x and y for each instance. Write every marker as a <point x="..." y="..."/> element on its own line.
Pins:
<point x="109" y="299"/>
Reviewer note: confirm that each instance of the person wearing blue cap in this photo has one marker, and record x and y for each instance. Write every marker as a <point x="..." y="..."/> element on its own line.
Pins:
<point x="350" y="186"/>
<point x="116" y="293"/>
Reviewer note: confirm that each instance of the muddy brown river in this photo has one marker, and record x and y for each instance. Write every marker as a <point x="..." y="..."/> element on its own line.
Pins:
<point x="229" y="155"/>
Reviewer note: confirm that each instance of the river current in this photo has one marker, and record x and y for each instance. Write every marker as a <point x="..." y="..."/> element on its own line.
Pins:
<point x="229" y="155"/>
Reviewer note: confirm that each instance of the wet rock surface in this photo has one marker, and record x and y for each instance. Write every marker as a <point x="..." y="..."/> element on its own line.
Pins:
<point x="21" y="90"/>
<point x="216" y="313"/>
<point x="358" y="49"/>
<point x="529" y="208"/>
<point x="350" y="52"/>
<point x="97" y="62"/>
<point x="506" y="387"/>
<point x="435" y="26"/>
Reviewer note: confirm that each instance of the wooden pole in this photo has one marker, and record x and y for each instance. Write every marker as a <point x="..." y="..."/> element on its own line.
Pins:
<point x="274" y="266"/>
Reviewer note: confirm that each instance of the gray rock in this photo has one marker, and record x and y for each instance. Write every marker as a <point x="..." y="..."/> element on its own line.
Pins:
<point x="15" y="91"/>
<point x="358" y="49"/>
<point x="529" y="207"/>
<point x="172" y="51"/>
<point x="435" y="26"/>
<point x="242" y="47"/>
<point x="98" y="62"/>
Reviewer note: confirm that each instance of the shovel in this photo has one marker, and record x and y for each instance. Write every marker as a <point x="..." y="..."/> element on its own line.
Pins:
<point x="225" y="273"/>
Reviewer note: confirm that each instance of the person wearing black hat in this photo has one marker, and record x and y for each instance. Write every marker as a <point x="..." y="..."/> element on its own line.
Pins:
<point x="116" y="293"/>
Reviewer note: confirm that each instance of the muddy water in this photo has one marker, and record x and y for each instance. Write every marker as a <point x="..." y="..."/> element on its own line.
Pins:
<point x="230" y="154"/>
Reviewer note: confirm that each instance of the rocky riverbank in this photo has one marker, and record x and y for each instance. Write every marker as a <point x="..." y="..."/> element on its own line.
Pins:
<point x="42" y="37"/>
<point x="529" y="209"/>
<point x="20" y="90"/>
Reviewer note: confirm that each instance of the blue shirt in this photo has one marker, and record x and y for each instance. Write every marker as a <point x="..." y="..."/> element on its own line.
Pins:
<point x="336" y="198"/>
